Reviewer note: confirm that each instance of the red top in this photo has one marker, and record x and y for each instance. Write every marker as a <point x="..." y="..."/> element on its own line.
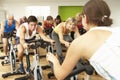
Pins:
<point x="79" y="25"/>
<point x="48" y="25"/>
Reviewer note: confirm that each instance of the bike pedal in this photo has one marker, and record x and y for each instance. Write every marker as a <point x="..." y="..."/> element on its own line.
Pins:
<point x="45" y="67"/>
<point x="4" y="75"/>
<point x="3" y="62"/>
<point x="50" y="75"/>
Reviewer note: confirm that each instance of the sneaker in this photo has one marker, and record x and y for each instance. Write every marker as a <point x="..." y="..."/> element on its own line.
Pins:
<point x="21" y="69"/>
<point x="6" y="60"/>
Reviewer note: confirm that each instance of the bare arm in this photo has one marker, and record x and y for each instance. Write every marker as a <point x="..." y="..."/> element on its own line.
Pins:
<point x="77" y="32"/>
<point x="2" y="27"/>
<point x="60" y="34"/>
<point x="40" y="31"/>
<point x="19" y="20"/>
<point x="42" y="27"/>
<point x="17" y="25"/>
<point x="22" y="35"/>
<point x="72" y="57"/>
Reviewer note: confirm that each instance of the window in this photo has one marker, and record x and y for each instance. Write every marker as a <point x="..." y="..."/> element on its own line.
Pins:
<point x="2" y="15"/>
<point x="41" y="12"/>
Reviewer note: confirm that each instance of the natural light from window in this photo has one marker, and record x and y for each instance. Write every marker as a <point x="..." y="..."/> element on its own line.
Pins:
<point x="41" y="12"/>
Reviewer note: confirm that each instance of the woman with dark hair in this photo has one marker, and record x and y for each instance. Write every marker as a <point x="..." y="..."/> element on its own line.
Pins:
<point x="100" y="44"/>
<point x="57" y="20"/>
<point x="48" y="25"/>
<point x="79" y="25"/>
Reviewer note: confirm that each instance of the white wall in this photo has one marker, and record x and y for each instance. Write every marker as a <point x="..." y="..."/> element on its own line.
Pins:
<point x="2" y="12"/>
<point x="0" y="5"/>
<point x="18" y="7"/>
<point x="115" y="12"/>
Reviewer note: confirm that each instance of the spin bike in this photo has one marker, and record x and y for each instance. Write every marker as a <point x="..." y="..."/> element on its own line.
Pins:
<point x="1" y="49"/>
<point x="33" y="70"/>
<point x="50" y="49"/>
<point x="12" y="57"/>
<point x="82" y="66"/>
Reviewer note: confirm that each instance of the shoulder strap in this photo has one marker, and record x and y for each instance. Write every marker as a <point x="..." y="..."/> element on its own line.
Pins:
<point x="101" y="28"/>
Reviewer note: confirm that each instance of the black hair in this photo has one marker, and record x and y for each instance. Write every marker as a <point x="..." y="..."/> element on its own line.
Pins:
<point x="32" y="19"/>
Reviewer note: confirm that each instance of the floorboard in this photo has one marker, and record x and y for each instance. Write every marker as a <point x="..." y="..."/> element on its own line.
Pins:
<point x="6" y="68"/>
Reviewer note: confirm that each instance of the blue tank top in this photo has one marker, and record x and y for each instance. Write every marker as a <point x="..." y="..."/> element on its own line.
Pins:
<point x="9" y="28"/>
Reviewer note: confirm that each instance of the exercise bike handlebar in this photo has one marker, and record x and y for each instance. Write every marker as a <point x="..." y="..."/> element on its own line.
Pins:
<point x="81" y="66"/>
<point x="87" y="68"/>
<point x="38" y="43"/>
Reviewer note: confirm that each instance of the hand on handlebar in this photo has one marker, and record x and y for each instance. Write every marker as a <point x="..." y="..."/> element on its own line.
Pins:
<point x="25" y="45"/>
<point x="52" y="58"/>
<point x="52" y="42"/>
<point x="67" y="44"/>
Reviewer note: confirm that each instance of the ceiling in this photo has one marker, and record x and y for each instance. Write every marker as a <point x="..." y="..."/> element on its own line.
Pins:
<point x="41" y="0"/>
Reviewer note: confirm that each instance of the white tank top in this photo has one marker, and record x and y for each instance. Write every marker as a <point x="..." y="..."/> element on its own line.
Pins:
<point x="27" y="36"/>
<point x="106" y="59"/>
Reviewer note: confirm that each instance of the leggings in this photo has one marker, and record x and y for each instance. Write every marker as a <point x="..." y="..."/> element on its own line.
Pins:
<point x="58" y="43"/>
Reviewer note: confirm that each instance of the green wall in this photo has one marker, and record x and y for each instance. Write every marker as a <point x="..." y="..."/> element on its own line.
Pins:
<point x="69" y="11"/>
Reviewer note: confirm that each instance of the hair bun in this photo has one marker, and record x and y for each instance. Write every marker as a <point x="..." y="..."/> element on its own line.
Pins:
<point x="104" y="18"/>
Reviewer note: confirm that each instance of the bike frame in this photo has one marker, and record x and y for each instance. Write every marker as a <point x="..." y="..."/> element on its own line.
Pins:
<point x="12" y="56"/>
<point x="35" y="67"/>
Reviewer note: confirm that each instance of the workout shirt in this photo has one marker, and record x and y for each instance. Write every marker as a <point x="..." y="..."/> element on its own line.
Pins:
<point x="106" y="59"/>
<point x="9" y="28"/>
<point x="56" y="29"/>
<point x="47" y="25"/>
<point x="27" y="36"/>
<point x="79" y="25"/>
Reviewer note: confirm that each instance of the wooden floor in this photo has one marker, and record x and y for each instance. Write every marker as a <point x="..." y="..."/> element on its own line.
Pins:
<point x="6" y="68"/>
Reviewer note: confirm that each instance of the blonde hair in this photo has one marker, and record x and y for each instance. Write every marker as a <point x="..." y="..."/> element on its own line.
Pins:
<point x="71" y="20"/>
<point x="78" y="14"/>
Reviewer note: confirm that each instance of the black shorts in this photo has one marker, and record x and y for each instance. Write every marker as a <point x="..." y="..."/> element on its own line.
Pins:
<point x="5" y="34"/>
<point x="26" y="40"/>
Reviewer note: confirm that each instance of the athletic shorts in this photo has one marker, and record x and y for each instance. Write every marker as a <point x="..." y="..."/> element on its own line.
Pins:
<point x="5" y="34"/>
<point x="26" y="40"/>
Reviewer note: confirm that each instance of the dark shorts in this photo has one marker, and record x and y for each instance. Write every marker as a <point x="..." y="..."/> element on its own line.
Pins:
<point x="26" y="40"/>
<point x="5" y="34"/>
